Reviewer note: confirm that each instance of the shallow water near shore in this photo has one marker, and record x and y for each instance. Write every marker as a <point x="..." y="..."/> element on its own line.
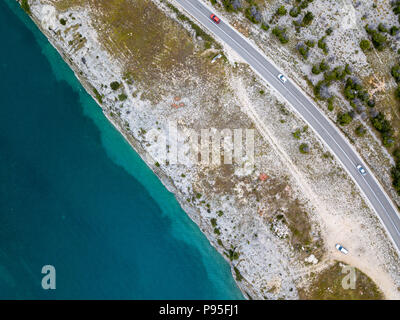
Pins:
<point x="74" y="194"/>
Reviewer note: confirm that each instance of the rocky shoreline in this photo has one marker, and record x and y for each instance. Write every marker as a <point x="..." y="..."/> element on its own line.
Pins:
<point x="265" y="266"/>
<point x="245" y="287"/>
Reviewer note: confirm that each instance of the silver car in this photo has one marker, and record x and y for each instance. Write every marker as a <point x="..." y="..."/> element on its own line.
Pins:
<point x="282" y="78"/>
<point x="361" y="169"/>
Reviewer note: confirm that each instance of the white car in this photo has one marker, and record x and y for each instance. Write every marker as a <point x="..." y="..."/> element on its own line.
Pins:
<point x="341" y="248"/>
<point x="361" y="169"/>
<point x="282" y="78"/>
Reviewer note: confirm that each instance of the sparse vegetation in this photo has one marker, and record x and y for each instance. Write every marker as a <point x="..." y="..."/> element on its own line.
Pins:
<point x="360" y="131"/>
<point x="396" y="170"/>
<point x="365" y="44"/>
<point x="307" y="19"/>
<point x="378" y="39"/>
<point x="294" y="12"/>
<point x="238" y="275"/>
<point x="322" y="45"/>
<point x="25" y="6"/>
<point x="315" y="69"/>
<point x="281" y="11"/>
<point x="252" y="13"/>
<point x="280" y="33"/>
<point x="380" y="123"/>
<point x="310" y="43"/>
<point x="303" y="50"/>
<point x="344" y="118"/>
<point x="122" y="97"/>
<point x="115" y="85"/>
<point x="98" y="96"/>
<point x="328" y="286"/>
<point x="297" y="134"/>
<point x="264" y="26"/>
<point x="304" y="148"/>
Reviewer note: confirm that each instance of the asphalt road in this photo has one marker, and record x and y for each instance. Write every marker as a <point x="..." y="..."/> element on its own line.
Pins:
<point x="327" y="130"/>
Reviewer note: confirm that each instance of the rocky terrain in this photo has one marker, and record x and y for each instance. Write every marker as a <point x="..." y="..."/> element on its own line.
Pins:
<point x="276" y="213"/>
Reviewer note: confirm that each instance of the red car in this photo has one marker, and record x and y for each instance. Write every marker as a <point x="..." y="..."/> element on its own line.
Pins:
<point x="215" y="18"/>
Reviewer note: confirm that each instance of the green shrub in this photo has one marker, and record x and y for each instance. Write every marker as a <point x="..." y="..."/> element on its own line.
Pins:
<point x="317" y="88"/>
<point x="322" y="45"/>
<point x="303" y="50"/>
<point x="382" y="28"/>
<point x="335" y="74"/>
<point x="365" y="44"/>
<point x="323" y="66"/>
<point x="384" y="127"/>
<point x="115" y="85"/>
<point x="393" y="31"/>
<point x="280" y="33"/>
<point x="379" y="40"/>
<point x="249" y="14"/>
<point x="98" y="96"/>
<point x="347" y="69"/>
<point x="122" y="97"/>
<point x="307" y="19"/>
<point x="310" y="43"/>
<point x="297" y="134"/>
<point x="344" y="118"/>
<point x="228" y="5"/>
<point x="397" y="92"/>
<point x="396" y="9"/>
<point x="304" y="148"/>
<point x="360" y="131"/>
<point x="396" y="177"/>
<point x="232" y="254"/>
<point x="25" y="6"/>
<point x="265" y="27"/>
<point x="239" y="277"/>
<point x="381" y="124"/>
<point x="63" y="21"/>
<point x="395" y="72"/>
<point x="329" y="31"/>
<point x="304" y="4"/>
<point x="281" y="11"/>
<point x="330" y="103"/>
<point x="316" y="70"/>
<point x="294" y="12"/>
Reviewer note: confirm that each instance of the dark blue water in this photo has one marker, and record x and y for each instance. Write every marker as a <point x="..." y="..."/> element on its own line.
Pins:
<point x="73" y="194"/>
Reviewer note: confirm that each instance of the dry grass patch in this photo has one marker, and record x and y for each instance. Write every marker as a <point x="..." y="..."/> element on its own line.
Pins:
<point x="328" y="286"/>
<point x="147" y="42"/>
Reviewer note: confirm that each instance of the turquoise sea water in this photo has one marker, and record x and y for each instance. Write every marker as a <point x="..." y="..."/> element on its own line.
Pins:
<point x="73" y="194"/>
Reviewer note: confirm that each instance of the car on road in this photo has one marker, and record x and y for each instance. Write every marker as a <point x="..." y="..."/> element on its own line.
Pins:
<point x="215" y="18"/>
<point x="361" y="169"/>
<point x="341" y="248"/>
<point x="282" y="78"/>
